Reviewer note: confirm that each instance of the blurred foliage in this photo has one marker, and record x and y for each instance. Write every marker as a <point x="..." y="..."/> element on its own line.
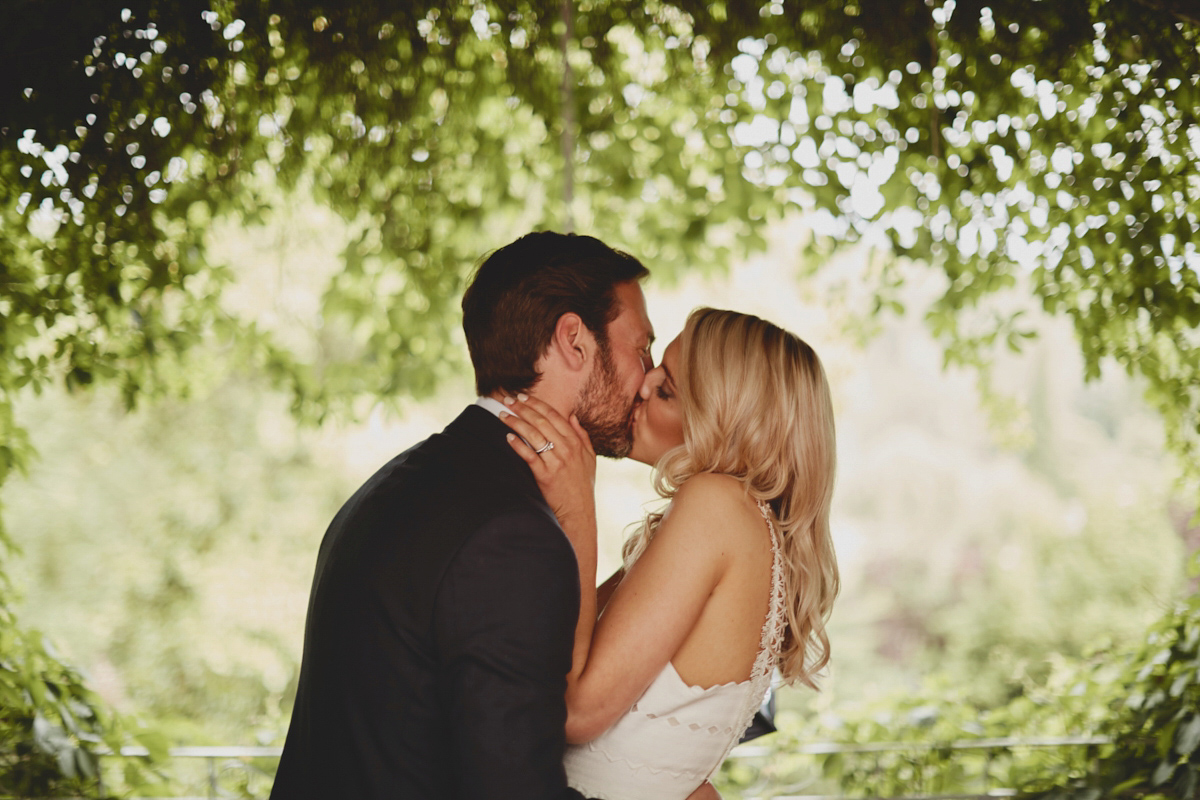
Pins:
<point x="985" y="608"/>
<point x="1154" y="720"/>
<point x="992" y="141"/>
<point x="52" y="727"/>
<point x="206" y="563"/>
<point x="1141" y="707"/>
<point x="1043" y="145"/>
<point x="973" y="551"/>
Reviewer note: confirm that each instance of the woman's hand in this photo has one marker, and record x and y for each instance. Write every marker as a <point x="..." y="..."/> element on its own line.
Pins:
<point x="565" y="467"/>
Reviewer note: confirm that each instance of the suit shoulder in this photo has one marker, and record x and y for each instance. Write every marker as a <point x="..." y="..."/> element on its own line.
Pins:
<point x="517" y="564"/>
<point x="520" y="524"/>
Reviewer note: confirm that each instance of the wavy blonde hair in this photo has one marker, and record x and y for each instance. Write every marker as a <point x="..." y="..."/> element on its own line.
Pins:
<point x="756" y="406"/>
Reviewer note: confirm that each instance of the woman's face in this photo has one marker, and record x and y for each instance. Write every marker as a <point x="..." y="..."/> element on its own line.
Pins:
<point x="657" y="420"/>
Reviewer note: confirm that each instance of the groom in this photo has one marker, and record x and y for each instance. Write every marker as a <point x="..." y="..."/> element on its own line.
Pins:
<point x="443" y="611"/>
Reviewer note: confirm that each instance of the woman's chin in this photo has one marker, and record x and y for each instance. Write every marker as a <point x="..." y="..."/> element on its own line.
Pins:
<point x="643" y="454"/>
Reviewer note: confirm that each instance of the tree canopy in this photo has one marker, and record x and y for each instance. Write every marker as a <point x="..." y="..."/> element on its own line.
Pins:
<point x="1047" y="146"/>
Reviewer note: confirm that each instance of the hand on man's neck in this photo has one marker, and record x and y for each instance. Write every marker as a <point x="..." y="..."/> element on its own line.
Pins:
<point x="562" y="402"/>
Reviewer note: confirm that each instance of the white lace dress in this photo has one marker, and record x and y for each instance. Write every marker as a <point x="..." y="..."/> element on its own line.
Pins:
<point x="676" y="736"/>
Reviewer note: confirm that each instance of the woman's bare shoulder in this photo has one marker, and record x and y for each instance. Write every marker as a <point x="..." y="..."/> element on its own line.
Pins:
<point x="717" y="500"/>
<point x="711" y="486"/>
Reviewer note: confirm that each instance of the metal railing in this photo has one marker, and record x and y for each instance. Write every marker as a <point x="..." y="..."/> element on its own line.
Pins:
<point x="988" y="750"/>
<point x="221" y="761"/>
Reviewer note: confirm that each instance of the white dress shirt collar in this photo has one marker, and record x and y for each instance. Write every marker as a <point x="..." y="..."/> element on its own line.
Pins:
<point x="493" y="405"/>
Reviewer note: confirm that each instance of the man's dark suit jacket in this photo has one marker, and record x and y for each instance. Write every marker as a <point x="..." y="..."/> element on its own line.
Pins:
<point x="439" y="633"/>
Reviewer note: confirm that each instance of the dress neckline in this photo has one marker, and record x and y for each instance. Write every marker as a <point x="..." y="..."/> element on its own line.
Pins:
<point x="704" y="689"/>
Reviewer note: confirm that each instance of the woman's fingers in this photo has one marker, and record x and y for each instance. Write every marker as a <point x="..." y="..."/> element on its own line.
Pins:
<point x="551" y="423"/>
<point x="527" y="453"/>
<point x="565" y="472"/>
<point x="542" y="416"/>
<point x="527" y="431"/>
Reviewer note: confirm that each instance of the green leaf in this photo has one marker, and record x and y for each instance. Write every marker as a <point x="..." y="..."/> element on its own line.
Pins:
<point x="1189" y="736"/>
<point x="155" y="742"/>
<point x="1124" y="786"/>
<point x="1162" y="773"/>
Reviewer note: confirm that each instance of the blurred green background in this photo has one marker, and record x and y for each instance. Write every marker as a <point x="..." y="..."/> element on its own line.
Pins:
<point x="234" y="237"/>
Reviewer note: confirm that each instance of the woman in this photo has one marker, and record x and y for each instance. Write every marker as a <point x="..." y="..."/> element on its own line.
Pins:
<point x="735" y="578"/>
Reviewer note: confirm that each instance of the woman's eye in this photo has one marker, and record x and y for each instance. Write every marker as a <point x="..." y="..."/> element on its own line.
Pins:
<point x="663" y="394"/>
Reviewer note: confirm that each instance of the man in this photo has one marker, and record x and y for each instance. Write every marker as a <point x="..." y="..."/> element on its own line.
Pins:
<point x="442" y="614"/>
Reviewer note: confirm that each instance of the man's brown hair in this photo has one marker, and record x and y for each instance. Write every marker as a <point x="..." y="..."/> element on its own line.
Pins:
<point x="518" y="293"/>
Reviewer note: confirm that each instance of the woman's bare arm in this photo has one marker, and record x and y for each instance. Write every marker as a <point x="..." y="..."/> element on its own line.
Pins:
<point x="653" y="607"/>
<point x="706" y="791"/>
<point x="605" y="591"/>
<point x="656" y="604"/>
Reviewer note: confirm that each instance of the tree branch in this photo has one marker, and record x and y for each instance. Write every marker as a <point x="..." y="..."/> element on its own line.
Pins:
<point x="568" y="119"/>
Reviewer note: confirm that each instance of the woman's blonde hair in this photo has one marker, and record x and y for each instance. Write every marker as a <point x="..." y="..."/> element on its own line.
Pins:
<point x="756" y="406"/>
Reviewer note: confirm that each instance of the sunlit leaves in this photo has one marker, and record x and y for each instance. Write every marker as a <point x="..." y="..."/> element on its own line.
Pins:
<point x="1155" y="726"/>
<point x="51" y="724"/>
<point x="1007" y="144"/>
<point x="1010" y="145"/>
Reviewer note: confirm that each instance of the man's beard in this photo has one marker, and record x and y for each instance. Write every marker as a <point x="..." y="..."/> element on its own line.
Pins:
<point x="603" y="413"/>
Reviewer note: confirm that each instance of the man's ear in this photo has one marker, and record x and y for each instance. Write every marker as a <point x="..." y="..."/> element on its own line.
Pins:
<point x="574" y="343"/>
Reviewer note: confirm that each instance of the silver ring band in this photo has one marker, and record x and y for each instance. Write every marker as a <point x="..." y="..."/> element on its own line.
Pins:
<point x="549" y="445"/>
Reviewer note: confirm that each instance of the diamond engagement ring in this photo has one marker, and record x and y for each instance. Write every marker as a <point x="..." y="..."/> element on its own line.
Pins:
<point x="549" y="445"/>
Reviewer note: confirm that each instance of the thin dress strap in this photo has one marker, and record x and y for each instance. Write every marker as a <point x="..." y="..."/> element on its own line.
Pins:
<point x="771" y="642"/>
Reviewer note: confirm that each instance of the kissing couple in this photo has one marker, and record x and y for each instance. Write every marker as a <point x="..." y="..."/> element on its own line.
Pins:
<point x="456" y="644"/>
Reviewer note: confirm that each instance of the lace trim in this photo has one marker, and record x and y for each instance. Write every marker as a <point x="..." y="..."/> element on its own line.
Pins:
<point x="770" y="643"/>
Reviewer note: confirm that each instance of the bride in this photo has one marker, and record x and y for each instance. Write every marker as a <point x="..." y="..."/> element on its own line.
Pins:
<point x="674" y="653"/>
